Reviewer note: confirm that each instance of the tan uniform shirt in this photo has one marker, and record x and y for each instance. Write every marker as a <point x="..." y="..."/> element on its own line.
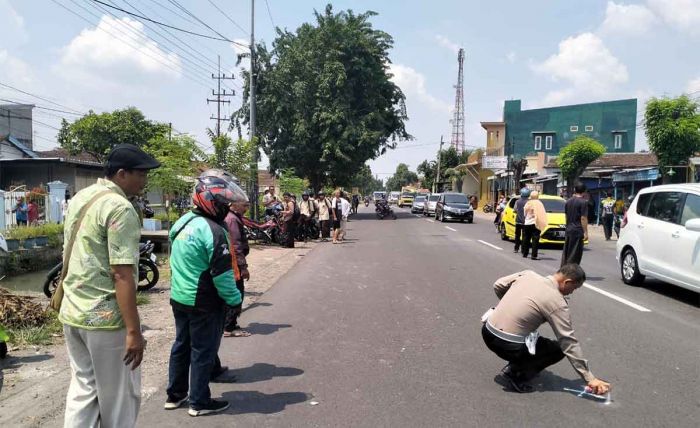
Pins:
<point x="324" y="209"/>
<point x="527" y="301"/>
<point x="306" y="207"/>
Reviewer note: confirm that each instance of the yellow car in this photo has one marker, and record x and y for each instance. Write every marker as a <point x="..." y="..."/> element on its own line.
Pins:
<point x="406" y="199"/>
<point x="555" y="233"/>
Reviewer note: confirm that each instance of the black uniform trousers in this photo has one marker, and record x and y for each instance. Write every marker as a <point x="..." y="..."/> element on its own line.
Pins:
<point x="573" y="248"/>
<point x="518" y="235"/>
<point x="531" y="238"/>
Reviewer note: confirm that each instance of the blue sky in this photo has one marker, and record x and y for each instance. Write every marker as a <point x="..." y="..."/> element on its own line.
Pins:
<point x="545" y="52"/>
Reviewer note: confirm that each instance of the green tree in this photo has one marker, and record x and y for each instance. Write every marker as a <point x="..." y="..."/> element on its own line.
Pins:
<point x="365" y="181"/>
<point x="428" y="171"/>
<point x="179" y="157"/>
<point x="292" y="183"/>
<point x="575" y="157"/>
<point x="672" y="127"/>
<point x="98" y="133"/>
<point x="325" y="100"/>
<point x="402" y="177"/>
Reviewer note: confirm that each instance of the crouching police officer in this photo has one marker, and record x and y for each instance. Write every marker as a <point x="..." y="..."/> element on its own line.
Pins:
<point x="510" y="330"/>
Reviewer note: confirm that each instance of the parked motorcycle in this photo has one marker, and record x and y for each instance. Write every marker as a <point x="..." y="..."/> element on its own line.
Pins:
<point x="488" y="207"/>
<point x="307" y="230"/>
<point x="383" y="209"/>
<point x="148" y="271"/>
<point x="267" y="232"/>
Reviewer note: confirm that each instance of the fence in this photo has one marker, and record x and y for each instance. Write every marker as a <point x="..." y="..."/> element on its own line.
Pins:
<point x="8" y="201"/>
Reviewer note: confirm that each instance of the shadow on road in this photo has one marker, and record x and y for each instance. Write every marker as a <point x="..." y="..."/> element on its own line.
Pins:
<point x="260" y="372"/>
<point x="265" y="329"/>
<point x="12" y="362"/>
<point x="679" y="294"/>
<point x="546" y="381"/>
<point x="256" y="304"/>
<point x="243" y="402"/>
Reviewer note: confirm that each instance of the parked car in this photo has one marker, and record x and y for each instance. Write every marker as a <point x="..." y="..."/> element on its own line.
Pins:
<point x="660" y="236"/>
<point x="454" y="206"/>
<point x="554" y="233"/>
<point x="430" y="202"/>
<point x="406" y="199"/>
<point x="394" y="197"/>
<point x="376" y="196"/>
<point x="418" y="203"/>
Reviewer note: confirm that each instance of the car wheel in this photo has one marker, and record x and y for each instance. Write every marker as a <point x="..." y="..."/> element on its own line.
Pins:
<point x="470" y="219"/>
<point x="629" y="268"/>
<point x="502" y="229"/>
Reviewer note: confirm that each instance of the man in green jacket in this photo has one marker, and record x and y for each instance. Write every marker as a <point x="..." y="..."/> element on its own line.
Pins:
<point x="202" y="283"/>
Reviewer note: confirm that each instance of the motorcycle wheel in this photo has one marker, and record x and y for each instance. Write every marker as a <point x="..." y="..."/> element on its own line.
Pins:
<point x="52" y="280"/>
<point x="148" y="275"/>
<point x="380" y="216"/>
<point x="393" y="216"/>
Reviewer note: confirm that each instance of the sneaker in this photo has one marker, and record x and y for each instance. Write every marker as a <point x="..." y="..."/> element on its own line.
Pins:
<point x="516" y="383"/>
<point x="174" y="402"/>
<point x="213" y="406"/>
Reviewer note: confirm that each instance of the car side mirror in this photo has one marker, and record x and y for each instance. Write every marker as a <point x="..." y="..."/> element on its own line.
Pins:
<point x="693" y="224"/>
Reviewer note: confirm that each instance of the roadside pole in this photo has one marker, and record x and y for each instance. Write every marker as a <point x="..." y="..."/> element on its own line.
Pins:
<point x="437" y="176"/>
<point x="254" y="159"/>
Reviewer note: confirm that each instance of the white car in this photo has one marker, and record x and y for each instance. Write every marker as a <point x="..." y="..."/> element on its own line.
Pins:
<point x="394" y="197"/>
<point x="660" y="236"/>
<point x="418" y="202"/>
<point x="430" y="202"/>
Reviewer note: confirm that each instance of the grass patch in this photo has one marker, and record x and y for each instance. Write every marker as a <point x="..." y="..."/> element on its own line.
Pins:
<point x="36" y="335"/>
<point x="142" y="299"/>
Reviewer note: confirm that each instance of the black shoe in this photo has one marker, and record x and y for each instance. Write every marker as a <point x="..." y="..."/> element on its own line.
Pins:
<point x="216" y="372"/>
<point x="173" y="401"/>
<point x="213" y="406"/>
<point x="535" y="258"/>
<point x="515" y="383"/>
<point x="524" y="256"/>
<point x="517" y="250"/>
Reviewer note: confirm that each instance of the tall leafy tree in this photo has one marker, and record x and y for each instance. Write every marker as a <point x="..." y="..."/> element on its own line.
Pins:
<point x="365" y="181"/>
<point x="672" y="127"/>
<point x="402" y="177"/>
<point x="179" y="158"/>
<point x="428" y="171"/>
<point x="98" y="133"/>
<point x="325" y="101"/>
<point x="575" y="157"/>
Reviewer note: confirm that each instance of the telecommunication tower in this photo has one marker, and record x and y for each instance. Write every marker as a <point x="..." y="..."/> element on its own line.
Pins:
<point x="458" y="119"/>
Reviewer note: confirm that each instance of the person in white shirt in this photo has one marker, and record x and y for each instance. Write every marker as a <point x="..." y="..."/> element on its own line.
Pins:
<point x="341" y="207"/>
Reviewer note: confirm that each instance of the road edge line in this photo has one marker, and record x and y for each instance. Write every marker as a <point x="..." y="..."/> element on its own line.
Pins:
<point x="622" y="300"/>
<point x="490" y="245"/>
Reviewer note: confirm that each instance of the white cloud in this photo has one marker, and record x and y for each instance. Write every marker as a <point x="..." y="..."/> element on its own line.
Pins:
<point x="14" y="70"/>
<point x="681" y="14"/>
<point x="693" y="86"/>
<point x="586" y="65"/>
<point x="12" y="25"/>
<point x="447" y="43"/>
<point x="98" y="57"/>
<point x="511" y="57"/>
<point x="412" y="83"/>
<point x="627" y="19"/>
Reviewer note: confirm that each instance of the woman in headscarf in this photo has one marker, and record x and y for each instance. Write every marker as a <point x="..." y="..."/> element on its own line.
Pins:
<point x="535" y="223"/>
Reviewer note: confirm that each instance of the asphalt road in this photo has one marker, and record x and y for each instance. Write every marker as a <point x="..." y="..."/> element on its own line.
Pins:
<point x="384" y="330"/>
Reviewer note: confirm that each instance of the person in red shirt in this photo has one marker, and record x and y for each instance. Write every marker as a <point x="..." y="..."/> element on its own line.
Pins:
<point x="32" y="212"/>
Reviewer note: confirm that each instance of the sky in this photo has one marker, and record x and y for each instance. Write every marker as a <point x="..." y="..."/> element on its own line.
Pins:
<point x="79" y="55"/>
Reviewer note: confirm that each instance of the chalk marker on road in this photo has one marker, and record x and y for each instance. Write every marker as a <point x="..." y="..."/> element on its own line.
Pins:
<point x="449" y="228"/>
<point x="617" y="298"/>
<point x="429" y="220"/>
<point x="490" y="245"/>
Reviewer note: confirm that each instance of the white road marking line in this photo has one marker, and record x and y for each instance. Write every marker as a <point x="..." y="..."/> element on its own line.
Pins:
<point x="618" y="298"/>
<point x="417" y="215"/>
<point x="429" y="220"/>
<point x="490" y="245"/>
<point x="449" y="228"/>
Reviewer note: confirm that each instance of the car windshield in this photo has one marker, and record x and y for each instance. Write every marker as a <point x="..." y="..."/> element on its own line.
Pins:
<point x="420" y="198"/>
<point x="553" y="205"/>
<point x="455" y="199"/>
<point x="408" y="194"/>
<point x="433" y="198"/>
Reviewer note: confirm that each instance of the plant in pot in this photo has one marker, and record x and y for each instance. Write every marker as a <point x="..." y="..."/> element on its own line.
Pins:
<point x="164" y="220"/>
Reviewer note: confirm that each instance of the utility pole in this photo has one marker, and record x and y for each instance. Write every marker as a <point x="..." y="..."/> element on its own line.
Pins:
<point x="254" y="159"/>
<point x="437" y="177"/>
<point x="219" y="95"/>
<point x="170" y="131"/>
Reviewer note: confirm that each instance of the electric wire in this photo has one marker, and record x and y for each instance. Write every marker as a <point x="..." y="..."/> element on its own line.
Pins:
<point x="228" y="17"/>
<point x="182" y="8"/>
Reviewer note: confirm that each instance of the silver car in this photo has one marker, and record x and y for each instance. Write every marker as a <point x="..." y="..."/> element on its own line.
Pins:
<point x="429" y="205"/>
<point x="418" y="202"/>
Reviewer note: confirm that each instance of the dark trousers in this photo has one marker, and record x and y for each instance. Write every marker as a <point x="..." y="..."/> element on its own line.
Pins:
<point x="518" y="235"/>
<point x="325" y="228"/>
<point x="523" y="364"/>
<point x="608" y="226"/>
<point x="573" y="248"/>
<point x="531" y="238"/>
<point x="231" y="315"/>
<point x="291" y="232"/>
<point x="197" y="339"/>
<point x="497" y="219"/>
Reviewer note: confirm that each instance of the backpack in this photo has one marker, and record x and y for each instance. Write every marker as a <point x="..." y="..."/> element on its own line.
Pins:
<point x="296" y="213"/>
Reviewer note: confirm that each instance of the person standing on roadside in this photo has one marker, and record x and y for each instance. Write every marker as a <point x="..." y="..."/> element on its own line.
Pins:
<point x="290" y="217"/>
<point x="101" y="324"/>
<point x="500" y="207"/>
<point x="607" y="207"/>
<point x="520" y="217"/>
<point x="535" y="223"/>
<point x="202" y="284"/>
<point x="20" y="211"/>
<point x="576" y="210"/>
<point x="341" y="209"/>
<point x="528" y="300"/>
<point x="241" y="249"/>
<point x="324" y="215"/>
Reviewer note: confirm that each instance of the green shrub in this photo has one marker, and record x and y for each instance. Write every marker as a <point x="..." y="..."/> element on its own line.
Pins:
<point x="50" y="230"/>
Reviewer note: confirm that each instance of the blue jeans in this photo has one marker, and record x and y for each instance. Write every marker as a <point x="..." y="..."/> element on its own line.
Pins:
<point x="197" y="339"/>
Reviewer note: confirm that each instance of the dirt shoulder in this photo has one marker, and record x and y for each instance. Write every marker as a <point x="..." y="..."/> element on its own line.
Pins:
<point x="34" y="381"/>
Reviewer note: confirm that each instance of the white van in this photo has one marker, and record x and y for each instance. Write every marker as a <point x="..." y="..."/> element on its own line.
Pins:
<point x="394" y="197"/>
<point x="660" y="236"/>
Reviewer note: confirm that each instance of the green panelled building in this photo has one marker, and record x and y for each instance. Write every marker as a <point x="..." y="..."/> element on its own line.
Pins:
<point x="612" y="123"/>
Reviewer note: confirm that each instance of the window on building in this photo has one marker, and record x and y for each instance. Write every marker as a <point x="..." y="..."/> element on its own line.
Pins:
<point x="538" y="142"/>
<point x="618" y="141"/>
<point x="573" y="128"/>
<point x="589" y="128"/>
<point x="548" y="142"/>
